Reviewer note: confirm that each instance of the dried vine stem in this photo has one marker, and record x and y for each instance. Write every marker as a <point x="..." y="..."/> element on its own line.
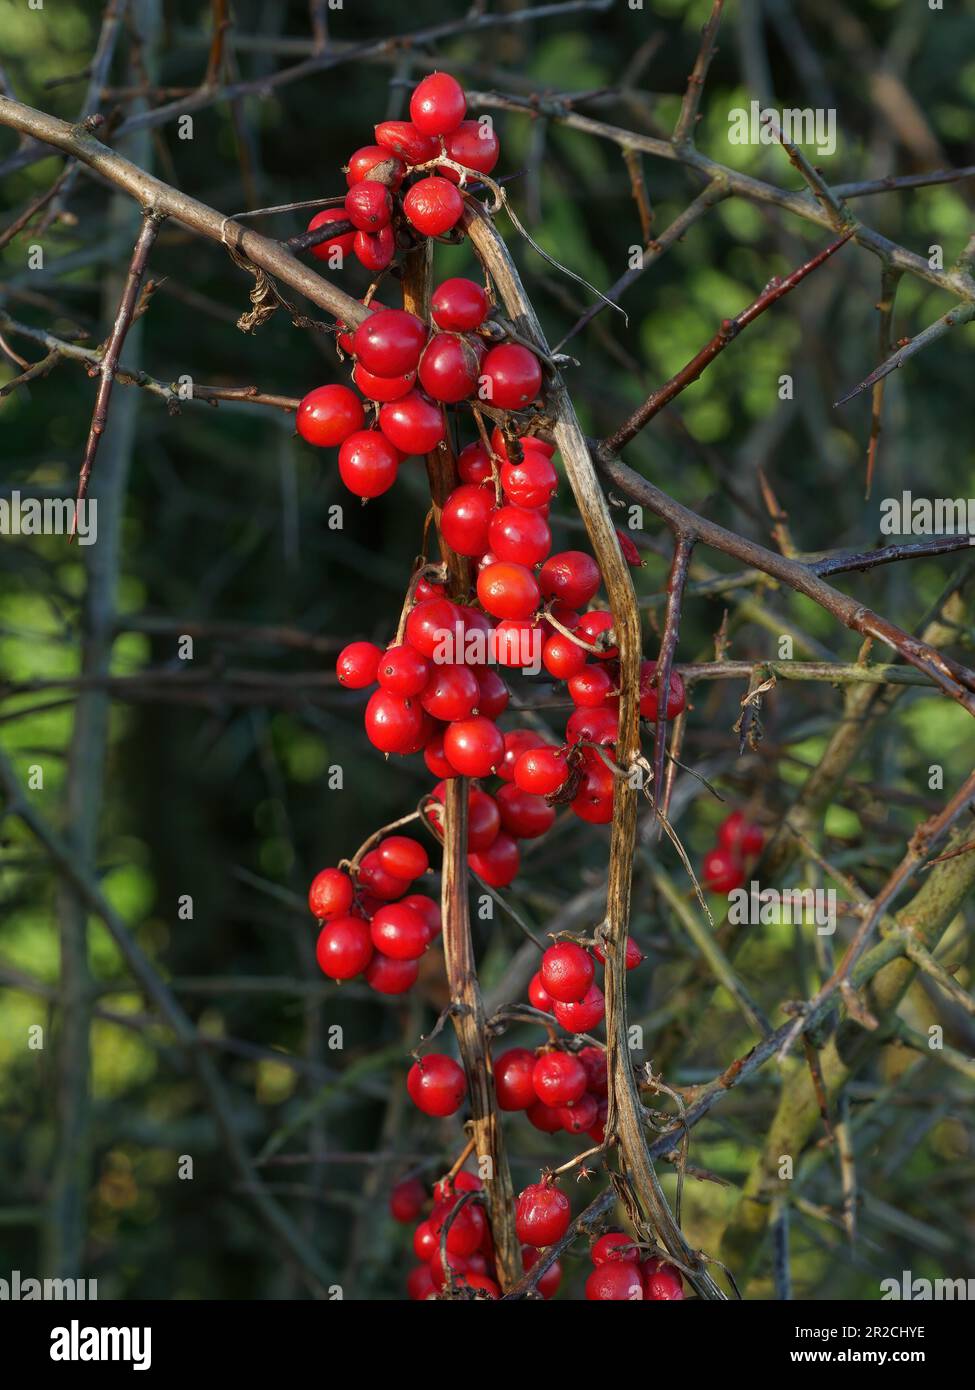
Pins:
<point x="625" y="1111"/>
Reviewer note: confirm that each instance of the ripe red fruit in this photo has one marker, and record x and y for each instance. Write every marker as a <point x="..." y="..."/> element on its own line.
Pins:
<point x="474" y="464"/>
<point x="389" y="342"/>
<point x="571" y="576"/>
<point x="357" y="665"/>
<point x="460" y="1182"/>
<point x="567" y="971"/>
<point x="473" y="144"/>
<point x="368" y="463"/>
<point x="368" y="206"/>
<point x="511" y="376"/>
<point x="436" y="1085"/>
<point x="483" y="817"/>
<point x="516" y="742"/>
<point x="722" y="870"/>
<point x="594" y="1061"/>
<point x="433" y="756"/>
<point x="593" y="726"/>
<point x="593" y="801"/>
<point x="481" y="1282"/>
<point x="419" y="1285"/>
<point x="425" y="1242"/>
<point x="464" y="519"/>
<point x="465" y="1232"/>
<point x="548" y="1284"/>
<point x="328" y="415"/>
<point x="394" y="724"/>
<point x="613" y="1247"/>
<point x="580" y="1117"/>
<point x="438" y="104"/>
<point x="388" y="976"/>
<point x="460" y="305"/>
<point x="650" y="697"/>
<point x="531" y="483"/>
<point x="513" y="1079"/>
<point x="406" y="1199"/>
<point x="740" y="835"/>
<point x="523" y="815"/>
<point x="344" y="948"/>
<point x="452" y="692"/>
<point x="343" y="241"/>
<point x="449" y="367"/>
<point x="330" y="894"/>
<point x="518" y="642"/>
<point x="527" y="441"/>
<point x="634" y="956"/>
<point x="508" y="590"/>
<point x="541" y="1215"/>
<point x="498" y="864"/>
<point x="494" y="696"/>
<point x="403" y="670"/>
<point x="399" y="932"/>
<point x="382" y="388"/>
<point x="616" y="1282"/>
<point x="541" y="771"/>
<point x="433" y="206"/>
<point x="403" y="857"/>
<point x="376" y="249"/>
<point x="414" y="424"/>
<point x="590" y="687"/>
<point x="591" y="627"/>
<point x="661" y="1283"/>
<point x="473" y="747"/>
<point x="430" y="623"/>
<point x="583" y="1015"/>
<point x="364" y="160"/>
<point x="598" y="1132"/>
<point x="558" y="1078"/>
<point x="520" y="534"/>
<point x="428" y="910"/>
<point x="377" y="881"/>
<point x="561" y="657"/>
<point x="403" y="138"/>
<point x="547" y="1118"/>
<point x="538" y="995"/>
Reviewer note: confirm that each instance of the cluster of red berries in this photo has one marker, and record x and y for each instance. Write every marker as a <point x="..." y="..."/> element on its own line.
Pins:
<point x="739" y="840"/>
<point x="558" y="1090"/>
<point x="623" y="1274"/>
<point x="565" y="985"/>
<point x="372" y="924"/>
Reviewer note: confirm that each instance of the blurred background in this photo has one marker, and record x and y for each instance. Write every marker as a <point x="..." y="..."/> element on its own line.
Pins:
<point x="210" y="778"/>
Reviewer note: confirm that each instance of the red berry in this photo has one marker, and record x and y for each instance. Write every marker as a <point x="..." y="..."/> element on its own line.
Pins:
<point x="452" y="692"/>
<point x="498" y="864"/>
<point x="613" y="1247"/>
<point x="394" y="724"/>
<point x="436" y="1085"/>
<point x="464" y="519"/>
<point x="433" y="206"/>
<point x="494" y="696"/>
<point x="460" y="1182"/>
<point x="561" y="657"/>
<point x="388" y="976"/>
<point x="571" y="576"/>
<point x="403" y="670"/>
<point x="527" y="441"/>
<point x="389" y="342"/>
<point x="593" y="801"/>
<point x="548" y="1284"/>
<point x="328" y="415"/>
<point x="722" y="871"/>
<point x="433" y="756"/>
<point x="634" y="956"/>
<point x="465" y="1232"/>
<point x="738" y="834"/>
<point x="661" y="1283"/>
<point x="449" y="367"/>
<point x="419" y="1285"/>
<point x="531" y="483"/>
<point x="518" y="642"/>
<point x="541" y="771"/>
<point x="516" y="742"/>
<point x="591" y="627"/>
<point x="403" y="857"/>
<point x="330" y="894"/>
<point x="511" y="375"/>
<point x="513" y="1079"/>
<point x="538" y="995"/>
<point x="368" y="206"/>
<point x="438" y="104"/>
<point x="343" y="241"/>
<point x="473" y="747"/>
<point x="457" y="1264"/>
<point x="520" y="534"/>
<point x="583" y="1015"/>
<point x="558" y="1078"/>
<point x="364" y="160"/>
<point x="473" y="144"/>
<point x="481" y="1282"/>
<point x="403" y="138"/>
<point x="542" y="1214"/>
<point x="399" y="932"/>
<point x="598" y="1132"/>
<point x="431" y="624"/>
<point x="368" y="463"/>
<point x="382" y="388"/>
<point x="594" y="1061"/>
<point x="428" y="910"/>
<point x="593" y="726"/>
<point x="590" y="687"/>
<point x="425" y="1242"/>
<point x="616" y="1282"/>
<point x="483" y="817"/>
<point x="567" y="971"/>
<point x="344" y="948"/>
<point x="547" y="1118"/>
<point x="358" y="664"/>
<point x="376" y="880"/>
<point x="580" y="1117"/>
<point x="460" y="305"/>
<point x="508" y="590"/>
<point x="375" y="250"/>
<point x="650" y="696"/>
<point x="406" y="1200"/>
<point x="523" y="815"/>
<point x="414" y="424"/>
<point x="474" y="464"/>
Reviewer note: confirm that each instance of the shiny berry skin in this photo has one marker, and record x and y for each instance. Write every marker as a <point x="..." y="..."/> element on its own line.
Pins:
<point x="389" y="342"/>
<point x="538" y="995"/>
<point x="498" y="864"/>
<point x="483" y="817"/>
<point x="583" y="1015"/>
<point x="406" y="1200"/>
<point x="451" y="693"/>
<point x="615" y="1282"/>
<point x="388" y="976"/>
<point x="344" y="948"/>
<point x="460" y="1182"/>
<point x="457" y="1264"/>
<point x="368" y="206"/>
<point x="650" y="697"/>
<point x="402" y="138"/>
<point x="508" y="590"/>
<point x="558" y="1078"/>
<point x="593" y="801"/>
<point x="399" y="932"/>
<point x="661" y="1283"/>
<point x="563" y="658"/>
<point x="614" y="1247"/>
<point x="516" y="742"/>
<point x="328" y="415"/>
<point x="394" y="724"/>
<point x="331" y="894"/>
<point x="364" y="160"/>
<point x="382" y="388"/>
<point x="634" y="956"/>
<point x="546" y="1118"/>
<point x="580" y="1117"/>
<point x="524" y="816"/>
<point x="433" y="756"/>
<point x="425" y="1242"/>
<point x="413" y="424"/>
<point x="438" y="104"/>
<point x="567" y="971"/>
<point x="378" y="882"/>
<point x="590" y="687"/>
<point x="403" y="670"/>
<point x="459" y="306"/>
<point x="465" y="517"/>
<point x="541" y="771"/>
<point x="518" y="642"/>
<point x="527" y="441"/>
<point x="548" y="1284"/>
<point x="513" y="1079"/>
<point x="473" y="747"/>
<point x="430" y="623"/>
<point x="740" y="835"/>
<point x="428" y="910"/>
<point x="419" y="1284"/>
<point x="590" y="629"/>
<point x="433" y="206"/>
<point x="465" y="1232"/>
<point x="358" y="664"/>
<point x="594" y="1061"/>
<point x="375" y="250"/>
<point x="722" y="871"/>
<point x="368" y="463"/>
<point x="344" y="241"/>
<point x="598" y="1132"/>
<point x="436" y="1085"/>
<point x="473" y="144"/>
<point x="531" y="483"/>
<point x="592" y="725"/>
<point x="403" y="857"/>
<point x="511" y="376"/>
<point x="519" y="534"/>
<point x="571" y="576"/>
<point x="494" y="696"/>
<point x="542" y="1215"/>
<point x="449" y="368"/>
<point x="474" y="464"/>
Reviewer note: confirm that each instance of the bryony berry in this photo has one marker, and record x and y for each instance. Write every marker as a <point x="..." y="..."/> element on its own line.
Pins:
<point x="413" y="424"/>
<point x="613" y="1247"/>
<point x="567" y="971"/>
<point x="494" y="696"/>
<point x="382" y="388"/>
<point x="579" y="1117"/>
<point x="591" y="627"/>
<point x="661" y="1283"/>
<point x="406" y="1200"/>
<point x="459" y="306"/>
<point x="634" y="956"/>
<point x="438" y="104"/>
<point x="523" y="815"/>
<point x="343" y="242"/>
<point x="367" y="159"/>
<point x="498" y="864"/>
<point x="388" y="976"/>
<point x="328" y="415"/>
<point x="376" y="880"/>
<point x="590" y="687"/>
<point x="430" y="623"/>
<point x="530" y="483"/>
<point x="358" y="664"/>
<point x="344" y="948"/>
<point x="368" y="463"/>
<point x="722" y="870"/>
<point x="563" y="658"/>
<point x="616" y="1282"/>
<point x="403" y="670"/>
<point x="547" y="1118"/>
<point x="473" y="144"/>
<point x="538" y="995"/>
<point x="330" y="894"/>
<point x="465" y="518"/>
<point x="740" y="835"/>
<point x="474" y="464"/>
<point x="571" y="576"/>
<point x="420" y="1286"/>
<point x="399" y="932"/>
<point x="541" y="771"/>
<point x="511" y="376"/>
<point x="402" y="138"/>
<point x="548" y="1283"/>
<point x="375" y="250"/>
<point x="558" y="1078"/>
<point x="368" y="206"/>
<point x="452" y="692"/>
<point x="541" y="1214"/>
<point x="473" y="747"/>
<point x="436" y="1085"/>
<point x="582" y="1015"/>
<point x="650" y="695"/>
<point x="449" y="368"/>
<point x="433" y="206"/>
<point x="394" y="724"/>
<point x="592" y="726"/>
<point x="389" y="342"/>
<point x="513" y="1079"/>
<point x="519" y="534"/>
<point x="508" y="590"/>
<point x="403" y="857"/>
<point x="428" y="910"/>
